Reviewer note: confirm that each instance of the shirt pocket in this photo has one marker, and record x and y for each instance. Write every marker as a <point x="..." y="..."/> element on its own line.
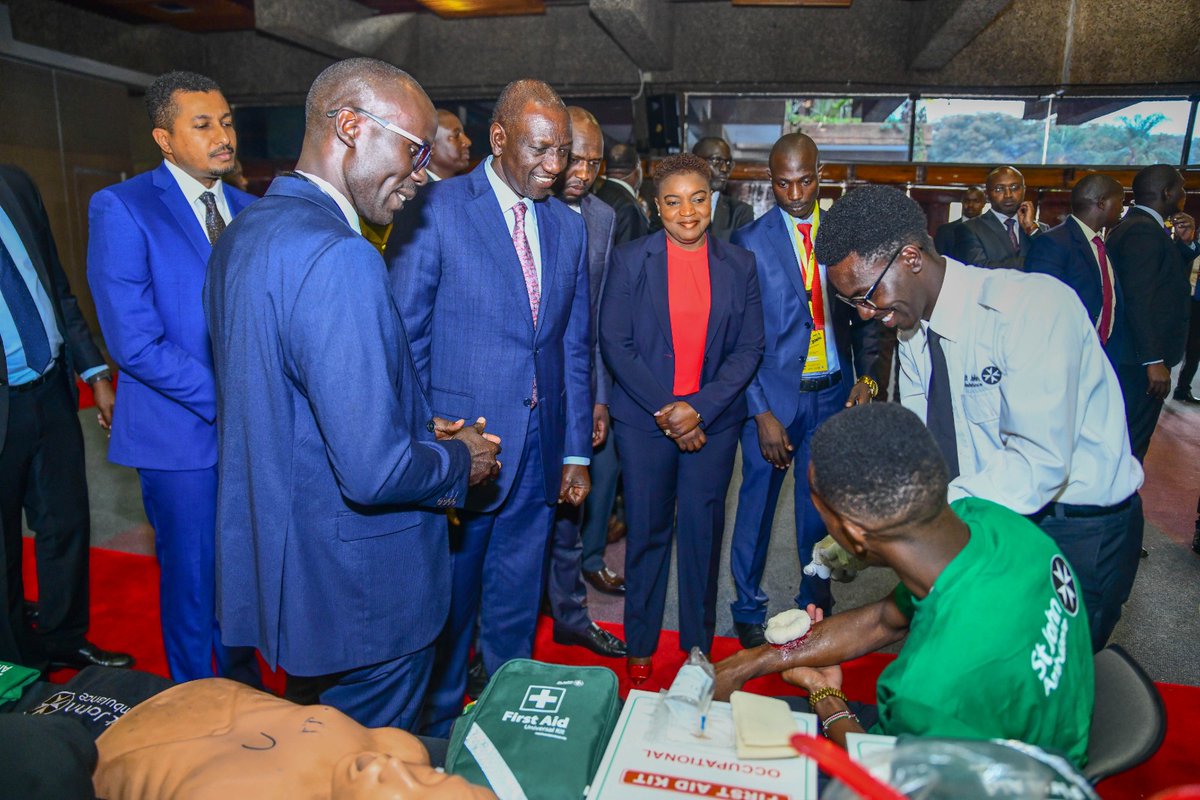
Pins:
<point x="981" y="405"/>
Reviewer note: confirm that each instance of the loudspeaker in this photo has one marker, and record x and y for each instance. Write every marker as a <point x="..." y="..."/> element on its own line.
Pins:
<point x="662" y="122"/>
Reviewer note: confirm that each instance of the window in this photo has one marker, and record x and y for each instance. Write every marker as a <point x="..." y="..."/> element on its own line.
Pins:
<point x="971" y="130"/>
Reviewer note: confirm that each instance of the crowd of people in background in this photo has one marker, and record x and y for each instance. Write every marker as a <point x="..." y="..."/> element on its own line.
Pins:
<point x="378" y="414"/>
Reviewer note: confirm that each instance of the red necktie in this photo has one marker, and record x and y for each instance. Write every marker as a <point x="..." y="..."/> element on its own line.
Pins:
<point x="1011" y="224"/>
<point x="1106" y="290"/>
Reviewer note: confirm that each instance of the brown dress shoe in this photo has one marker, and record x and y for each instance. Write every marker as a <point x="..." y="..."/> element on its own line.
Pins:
<point x="605" y="580"/>
<point x="616" y="529"/>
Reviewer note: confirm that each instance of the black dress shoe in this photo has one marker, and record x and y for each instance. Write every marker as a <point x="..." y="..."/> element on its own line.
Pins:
<point x="750" y="634"/>
<point x="1186" y="396"/>
<point x="594" y="638"/>
<point x="605" y="580"/>
<point x="477" y="677"/>
<point x="90" y="656"/>
<point x="1145" y="553"/>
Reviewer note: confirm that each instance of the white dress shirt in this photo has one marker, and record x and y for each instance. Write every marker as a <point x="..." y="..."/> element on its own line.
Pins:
<point x="192" y="189"/>
<point x="347" y="208"/>
<point x="1038" y="413"/>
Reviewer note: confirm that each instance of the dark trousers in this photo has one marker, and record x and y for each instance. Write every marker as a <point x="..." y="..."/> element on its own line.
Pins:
<point x="668" y="490"/>
<point x="1191" y="357"/>
<point x="42" y="472"/>
<point x="497" y="560"/>
<point x="1104" y="551"/>
<point x="181" y="506"/>
<point x="570" y="550"/>
<point x="1141" y="410"/>
<point x="757" y="499"/>
<point x="385" y="695"/>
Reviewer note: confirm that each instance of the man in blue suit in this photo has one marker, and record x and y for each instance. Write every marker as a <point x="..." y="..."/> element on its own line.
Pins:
<point x="330" y="561"/>
<point x="1074" y="252"/>
<point x="813" y="348"/>
<point x="491" y="279"/>
<point x="148" y="246"/>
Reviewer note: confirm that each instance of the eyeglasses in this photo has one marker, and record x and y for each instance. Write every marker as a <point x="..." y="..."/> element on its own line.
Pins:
<point x="424" y="148"/>
<point x="720" y="163"/>
<point x="864" y="301"/>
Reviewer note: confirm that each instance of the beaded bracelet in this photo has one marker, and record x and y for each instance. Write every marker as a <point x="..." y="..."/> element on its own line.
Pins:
<point x="827" y="691"/>
<point x="832" y="718"/>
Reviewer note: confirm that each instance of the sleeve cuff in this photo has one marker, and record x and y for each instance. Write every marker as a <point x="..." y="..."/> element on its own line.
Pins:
<point x="94" y="371"/>
<point x="577" y="461"/>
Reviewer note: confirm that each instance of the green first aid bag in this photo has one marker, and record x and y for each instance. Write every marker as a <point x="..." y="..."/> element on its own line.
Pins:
<point x="537" y="731"/>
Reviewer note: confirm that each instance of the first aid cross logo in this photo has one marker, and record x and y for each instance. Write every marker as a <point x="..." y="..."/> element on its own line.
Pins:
<point x="543" y="699"/>
<point x="1064" y="585"/>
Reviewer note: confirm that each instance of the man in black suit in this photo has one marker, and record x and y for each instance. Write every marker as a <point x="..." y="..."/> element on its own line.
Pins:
<point x="1075" y="253"/>
<point x="571" y="552"/>
<point x="1191" y="355"/>
<point x="972" y="206"/>
<point x="1001" y="237"/>
<point x="619" y="188"/>
<point x="46" y="342"/>
<point x="1152" y="270"/>
<point x="728" y="214"/>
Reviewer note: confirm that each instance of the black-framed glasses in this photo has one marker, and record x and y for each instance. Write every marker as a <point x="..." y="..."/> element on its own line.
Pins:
<point x="863" y="301"/>
<point x="424" y="148"/>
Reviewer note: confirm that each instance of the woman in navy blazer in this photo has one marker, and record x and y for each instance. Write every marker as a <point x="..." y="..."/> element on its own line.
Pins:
<point x="681" y="329"/>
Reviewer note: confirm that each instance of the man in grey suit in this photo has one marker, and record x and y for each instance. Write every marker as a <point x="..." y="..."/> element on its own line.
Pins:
<point x="574" y="546"/>
<point x="728" y="214"/>
<point x="999" y="238"/>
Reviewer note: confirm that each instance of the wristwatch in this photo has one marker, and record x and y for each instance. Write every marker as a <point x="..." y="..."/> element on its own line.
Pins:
<point x="871" y="384"/>
<point x="103" y="375"/>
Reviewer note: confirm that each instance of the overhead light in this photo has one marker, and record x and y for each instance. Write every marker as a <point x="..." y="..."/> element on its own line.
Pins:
<point x="796" y="3"/>
<point x="484" y="8"/>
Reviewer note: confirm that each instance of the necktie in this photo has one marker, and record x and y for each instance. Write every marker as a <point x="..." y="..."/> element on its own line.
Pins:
<point x="525" y="255"/>
<point x="939" y="413"/>
<point x="30" y="327"/>
<point x="214" y="223"/>
<point x="805" y="229"/>
<point x="1106" y="290"/>
<point x="1011" y="224"/>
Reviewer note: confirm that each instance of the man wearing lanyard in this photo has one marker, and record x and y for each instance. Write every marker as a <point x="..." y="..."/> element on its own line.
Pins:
<point x="804" y="378"/>
<point x="1010" y="378"/>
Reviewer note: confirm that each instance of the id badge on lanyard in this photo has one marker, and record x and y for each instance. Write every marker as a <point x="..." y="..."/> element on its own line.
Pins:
<point x="818" y="359"/>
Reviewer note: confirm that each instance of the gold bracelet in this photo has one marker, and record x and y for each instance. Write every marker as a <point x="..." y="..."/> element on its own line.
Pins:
<point x="823" y="694"/>
<point x="871" y="384"/>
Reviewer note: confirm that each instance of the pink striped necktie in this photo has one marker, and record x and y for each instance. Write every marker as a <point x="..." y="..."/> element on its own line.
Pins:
<point x="525" y="255"/>
<point x="1106" y="292"/>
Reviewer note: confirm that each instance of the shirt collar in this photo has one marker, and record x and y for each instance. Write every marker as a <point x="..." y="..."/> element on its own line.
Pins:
<point x="433" y="176"/>
<point x="1088" y="233"/>
<point x="628" y="188"/>
<point x="339" y="198"/>
<point x="960" y="291"/>
<point x="1157" y="216"/>
<point x="504" y="194"/>
<point x="1003" y="220"/>
<point x="192" y="188"/>
<point x="791" y="222"/>
<point x="576" y="207"/>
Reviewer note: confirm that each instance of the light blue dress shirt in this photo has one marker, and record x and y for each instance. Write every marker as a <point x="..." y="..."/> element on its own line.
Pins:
<point x="831" y="351"/>
<point x="14" y="353"/>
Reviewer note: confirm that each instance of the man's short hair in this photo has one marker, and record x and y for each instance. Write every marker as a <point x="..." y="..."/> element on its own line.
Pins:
<point x="514" y="97"/>
<point x="1152" y="181"/>
<point x="347" y="81"/>
<point x="879" y="462"/>
<point x="1091" y="189"/>
<point x="622" y="159"/>
<point x="678" y="165"/>
<point x="160" y="96"/>
<point x="872" y="221"/>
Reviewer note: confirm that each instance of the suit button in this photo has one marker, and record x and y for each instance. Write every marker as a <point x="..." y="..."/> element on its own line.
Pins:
<point x="528" y="401"/>
<point x="537" y="351"/>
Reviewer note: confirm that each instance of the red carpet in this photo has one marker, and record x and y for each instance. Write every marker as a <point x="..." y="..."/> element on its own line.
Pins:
<point x="124" y="592"/>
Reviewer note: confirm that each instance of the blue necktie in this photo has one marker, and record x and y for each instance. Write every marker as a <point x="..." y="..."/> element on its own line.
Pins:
<point x="24" y="312"/>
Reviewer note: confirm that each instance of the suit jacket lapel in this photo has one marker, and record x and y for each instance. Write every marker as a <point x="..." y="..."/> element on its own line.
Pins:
<point x="16" y="213"/>
<point x="172" y="197"/>
<point x="492" y="230"/>
<point x="548" y="238"/>
<point x="655" y="267"/>
<point x="720" y="288"/>
<point x="781" y="242"/>
<point x="720" y="217"/>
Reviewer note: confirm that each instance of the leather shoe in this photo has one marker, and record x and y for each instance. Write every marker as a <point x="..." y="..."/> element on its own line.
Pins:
<point x="750" y="634"/>
<point x="594" y="638"/>
<point x="639" y="670"/>
<point x="1186" y="396"/>
<point x="90" y="656"/>
<point x="616" y="529"/>
<point x="477" y="677"/>
<point x="605" y="580"/>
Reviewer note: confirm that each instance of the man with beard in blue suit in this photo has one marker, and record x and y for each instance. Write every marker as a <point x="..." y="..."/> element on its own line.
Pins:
<point x="813" y="349"/>
<point x="149" y="241"/>
<point x="491" y="280"/>
<point x="329" y="465"/>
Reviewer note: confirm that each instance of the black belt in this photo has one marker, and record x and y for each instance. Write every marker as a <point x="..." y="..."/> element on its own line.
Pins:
<point x="1068" y="510"/>
<point x="823" y="382"/>
<point x="38" y="381"/>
